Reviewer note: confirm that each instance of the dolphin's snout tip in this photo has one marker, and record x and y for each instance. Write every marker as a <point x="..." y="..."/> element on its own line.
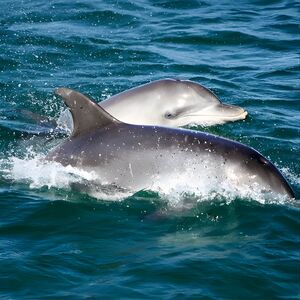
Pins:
<point x="233" y="112"/>
<point x="244" y="114"/>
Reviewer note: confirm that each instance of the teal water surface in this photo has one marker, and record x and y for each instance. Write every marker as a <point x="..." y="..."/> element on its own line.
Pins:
<point x="57" y="242"/>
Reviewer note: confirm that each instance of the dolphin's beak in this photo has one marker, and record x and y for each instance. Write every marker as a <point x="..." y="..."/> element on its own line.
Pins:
<point x="221" y="112"/>
<point x="230" y="112"/>
<point x="217" y="114"/>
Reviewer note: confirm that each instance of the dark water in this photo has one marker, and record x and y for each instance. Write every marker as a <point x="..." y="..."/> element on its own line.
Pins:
<point x="58" y="243"/>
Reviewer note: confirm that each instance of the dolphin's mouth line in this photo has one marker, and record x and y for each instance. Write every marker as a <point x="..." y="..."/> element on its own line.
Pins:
<point x="242" y="115"/>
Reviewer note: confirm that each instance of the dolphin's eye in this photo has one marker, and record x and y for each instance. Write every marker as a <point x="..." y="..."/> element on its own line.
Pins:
<point x="169" y="115"/>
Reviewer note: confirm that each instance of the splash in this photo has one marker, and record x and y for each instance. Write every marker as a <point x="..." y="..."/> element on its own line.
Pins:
<point x="182" y="190"/>
<point x="293" y="178"/>
<point x="38" y="173"/>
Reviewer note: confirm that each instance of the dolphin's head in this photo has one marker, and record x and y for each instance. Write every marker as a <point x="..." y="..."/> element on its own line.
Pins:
<point x="194" y="104"/>
<point x="265" y="173"/>
<point x="252" y="172"/>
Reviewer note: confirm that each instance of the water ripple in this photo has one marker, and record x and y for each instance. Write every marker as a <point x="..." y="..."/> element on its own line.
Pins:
<point x="148" y="245"/>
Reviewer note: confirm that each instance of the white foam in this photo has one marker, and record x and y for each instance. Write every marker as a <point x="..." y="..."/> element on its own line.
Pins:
<point x="183" y="190"/>
<point x="38" y="173"/>
<point x="293" y="178"/>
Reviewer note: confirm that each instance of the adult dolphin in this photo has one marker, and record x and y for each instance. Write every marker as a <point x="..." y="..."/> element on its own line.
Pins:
<point x="167" y="102"/>
<point x="134" y="156"/>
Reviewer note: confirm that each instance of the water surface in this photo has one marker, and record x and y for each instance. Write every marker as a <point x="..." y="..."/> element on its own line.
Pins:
<point x="56" y="242"/>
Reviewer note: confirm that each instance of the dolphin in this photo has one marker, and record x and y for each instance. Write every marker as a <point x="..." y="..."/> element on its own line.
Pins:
<point x="134" y="157"/>
<point x="167" y="102"/>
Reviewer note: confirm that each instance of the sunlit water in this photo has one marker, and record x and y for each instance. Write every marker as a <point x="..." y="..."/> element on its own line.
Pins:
<point x="183" y="238"/>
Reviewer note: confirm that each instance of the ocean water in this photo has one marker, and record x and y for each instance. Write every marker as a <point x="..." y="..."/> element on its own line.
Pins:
<point x="175" y="241"/>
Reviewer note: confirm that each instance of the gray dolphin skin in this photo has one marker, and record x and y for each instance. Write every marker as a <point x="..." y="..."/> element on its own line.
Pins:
<point x="173" y="103"/>
<point x="135" y="156"/>
<point x="167" y="102"/>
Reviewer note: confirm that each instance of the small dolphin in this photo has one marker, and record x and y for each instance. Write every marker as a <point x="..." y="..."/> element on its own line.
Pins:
<point x="167" y="102"/>
<point x="134" y="156"/>
<point x="173" y="103"/>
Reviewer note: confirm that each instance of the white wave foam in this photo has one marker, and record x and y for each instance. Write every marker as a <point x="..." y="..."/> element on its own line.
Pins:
<point x="293" y="178"/>
<point x="35" y="171"/>
<point x="182" y="190"/>
<point x="39" y="173"/>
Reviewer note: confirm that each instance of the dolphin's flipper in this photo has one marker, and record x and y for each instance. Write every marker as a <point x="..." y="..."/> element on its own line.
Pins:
<point x="87" y="115"/>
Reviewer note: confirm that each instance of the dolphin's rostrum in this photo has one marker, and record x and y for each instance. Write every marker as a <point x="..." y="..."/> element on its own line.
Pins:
<point x="134" y="156"/>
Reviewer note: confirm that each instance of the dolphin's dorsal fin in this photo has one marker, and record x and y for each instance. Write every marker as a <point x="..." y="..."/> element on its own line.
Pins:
<point x="87" y="115"/>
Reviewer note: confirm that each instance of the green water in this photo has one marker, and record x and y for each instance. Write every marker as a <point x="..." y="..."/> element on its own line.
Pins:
<point x="57" y="242"/>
